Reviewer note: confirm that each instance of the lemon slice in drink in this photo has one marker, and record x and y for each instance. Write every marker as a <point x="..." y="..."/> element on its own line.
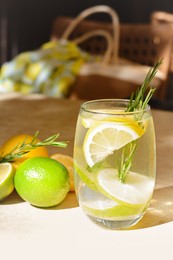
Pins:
<point x="105" y="208"/>
<point x="102" y="210"/>
<point x="137" y="190"/>
<point x="6" y="179"/>
<point x="87" y="177"/>
<point x="103" y="138"/>
<point x="88" y="120"/>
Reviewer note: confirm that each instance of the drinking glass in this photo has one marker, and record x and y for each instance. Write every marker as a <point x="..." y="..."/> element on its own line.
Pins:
<point x="114" y="161"/>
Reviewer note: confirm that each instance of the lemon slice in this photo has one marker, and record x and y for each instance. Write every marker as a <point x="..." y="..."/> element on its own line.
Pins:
<point x="105" y="208"/>
<point x="88" y="120"/>
<point x="137" y="190"/>
<point x="87" y="177"/>
<point x="103" y="138"/>
<point x="6" y="179"/>
<point x="118" y="211"/>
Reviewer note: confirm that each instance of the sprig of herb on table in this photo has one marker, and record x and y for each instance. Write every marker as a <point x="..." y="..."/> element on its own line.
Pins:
<point x="138" y="101"/>
<point x="20" y="149"/>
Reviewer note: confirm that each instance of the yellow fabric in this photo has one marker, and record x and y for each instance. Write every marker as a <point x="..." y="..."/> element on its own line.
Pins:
<point x="50" y="70"/>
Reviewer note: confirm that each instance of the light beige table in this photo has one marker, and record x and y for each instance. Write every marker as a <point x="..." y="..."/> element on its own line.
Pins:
<point x="63" y="232"/>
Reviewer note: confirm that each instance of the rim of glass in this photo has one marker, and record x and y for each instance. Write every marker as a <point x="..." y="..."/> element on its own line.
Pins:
<point x="84" y="106"/>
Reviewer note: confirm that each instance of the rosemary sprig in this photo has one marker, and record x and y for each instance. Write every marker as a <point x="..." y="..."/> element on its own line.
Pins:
<point x="126" y="160"/>
<point x="22" y="148"/>
<point x="138" y="101"/>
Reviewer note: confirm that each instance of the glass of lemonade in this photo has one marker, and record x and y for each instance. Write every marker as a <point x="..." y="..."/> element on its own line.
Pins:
<point x="115" y="162"/>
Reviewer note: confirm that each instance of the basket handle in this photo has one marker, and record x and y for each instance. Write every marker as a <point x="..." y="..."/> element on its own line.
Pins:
<point x="107" y="56"/>
<point x="98" y="9"/>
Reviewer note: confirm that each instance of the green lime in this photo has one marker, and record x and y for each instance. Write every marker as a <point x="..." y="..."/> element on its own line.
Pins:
<point x="41" y="181"/>
<point x="6" y="179"/>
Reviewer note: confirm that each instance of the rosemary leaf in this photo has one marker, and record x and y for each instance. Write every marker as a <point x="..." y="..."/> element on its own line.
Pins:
<point x="140" y="94"/>
<point x="22" y="148"/>
<point x="138" y="101"/>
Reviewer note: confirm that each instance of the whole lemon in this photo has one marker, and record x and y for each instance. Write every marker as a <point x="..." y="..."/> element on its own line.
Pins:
<point x="67" y="161"/>
<point x="15" y="141"/>
<point x="42" y="181"/>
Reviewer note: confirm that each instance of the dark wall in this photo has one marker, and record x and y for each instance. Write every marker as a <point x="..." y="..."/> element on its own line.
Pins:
<point x="26" y="24"/>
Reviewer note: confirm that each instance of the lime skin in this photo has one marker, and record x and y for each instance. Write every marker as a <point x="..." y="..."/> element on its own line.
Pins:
<point x="7" y="173"/>
<point x="42" y="181"/>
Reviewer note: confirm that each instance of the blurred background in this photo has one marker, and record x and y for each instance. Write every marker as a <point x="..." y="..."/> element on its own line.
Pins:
<point x="26" y="24"/>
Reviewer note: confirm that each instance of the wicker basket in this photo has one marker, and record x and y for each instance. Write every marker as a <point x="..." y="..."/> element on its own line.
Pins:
<point x="135" y="48"/>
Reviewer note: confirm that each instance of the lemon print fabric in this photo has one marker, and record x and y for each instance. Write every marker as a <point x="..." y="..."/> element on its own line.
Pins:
<point x="50" y="70"/>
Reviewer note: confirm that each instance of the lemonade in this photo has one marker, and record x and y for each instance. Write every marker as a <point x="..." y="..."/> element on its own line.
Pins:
<point x="115" y="162"/>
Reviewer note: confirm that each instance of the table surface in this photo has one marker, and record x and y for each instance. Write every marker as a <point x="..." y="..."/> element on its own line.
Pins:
<point x="64" y="232"/>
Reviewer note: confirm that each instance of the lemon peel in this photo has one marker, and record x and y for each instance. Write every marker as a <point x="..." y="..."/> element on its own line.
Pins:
<point x="103" y="138"/>
<point x="135" y="192"/>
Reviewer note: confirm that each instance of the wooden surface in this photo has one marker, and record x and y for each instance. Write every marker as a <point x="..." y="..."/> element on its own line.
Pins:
<point x="65" y="223"/>
<point x="48" y="115"/>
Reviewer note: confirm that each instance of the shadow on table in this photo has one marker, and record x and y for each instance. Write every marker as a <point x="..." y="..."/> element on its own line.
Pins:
<point x="13" y="198"/>
<point x="160" y="210"/>
<point x="69" y="202"/>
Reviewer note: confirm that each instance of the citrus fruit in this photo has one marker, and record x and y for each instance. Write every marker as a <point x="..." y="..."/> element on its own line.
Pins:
<point x="102" y="209"/>
<point x="6" y="179"/>
<point x="103" y="138"/>
<point x="137" y="189"/>
<point x="81" y="169"/>
<point x="16" y="141"/>
<point x="87" y="177"/>
<point x="41" y="181"/>
<point x="87" y="120"/>
<point x="67" y="161"/>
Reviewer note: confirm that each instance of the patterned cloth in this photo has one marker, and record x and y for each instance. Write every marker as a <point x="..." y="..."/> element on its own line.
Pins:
<point x="50" y="70"/>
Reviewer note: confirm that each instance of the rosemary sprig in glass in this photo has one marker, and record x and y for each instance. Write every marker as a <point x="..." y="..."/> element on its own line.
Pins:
<point x="138" y="101"/>
<point x="22" y="148"/>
